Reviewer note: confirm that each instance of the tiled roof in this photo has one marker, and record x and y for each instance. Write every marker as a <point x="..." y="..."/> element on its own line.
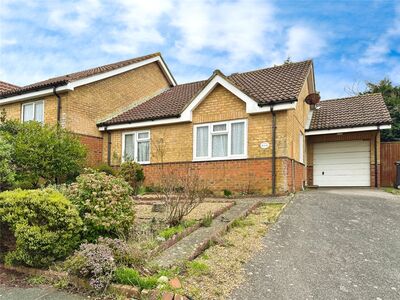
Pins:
<point x="62" y="80"/>
<point x="5" y="86"/>
<point x="276" y="84"/>
<point x="363" y="110"/>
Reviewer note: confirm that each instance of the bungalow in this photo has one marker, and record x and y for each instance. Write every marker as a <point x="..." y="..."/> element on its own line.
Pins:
<point x="262" y="131"/>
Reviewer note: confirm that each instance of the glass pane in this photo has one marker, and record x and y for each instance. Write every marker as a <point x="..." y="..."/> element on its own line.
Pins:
<point x="129" y="151"/>
<point x="143" y="135"/>
<point x="219" y="127"/>
<point x="143" y="151"/>
<point x="237" y="138"/>
<point x="27" y="112"/>
<point x="220" y="145"/>
<point x="202" y="142"/>
<point x="39" y="111"/>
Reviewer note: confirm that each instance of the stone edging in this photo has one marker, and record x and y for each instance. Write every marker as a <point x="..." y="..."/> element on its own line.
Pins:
<point x="205" y="244"/>
<point x="176" y="238"/>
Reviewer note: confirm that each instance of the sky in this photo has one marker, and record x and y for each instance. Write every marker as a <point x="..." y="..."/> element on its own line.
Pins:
<point x="351" y="42"/>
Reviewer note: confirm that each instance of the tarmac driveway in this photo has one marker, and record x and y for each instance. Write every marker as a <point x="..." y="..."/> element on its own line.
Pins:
<point x="330" y="244"/>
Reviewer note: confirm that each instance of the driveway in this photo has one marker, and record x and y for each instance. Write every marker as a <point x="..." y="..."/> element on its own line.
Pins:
<point x="330" y="244"/>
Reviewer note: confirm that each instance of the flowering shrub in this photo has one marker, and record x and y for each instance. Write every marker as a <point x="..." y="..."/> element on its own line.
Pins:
<point x="104" y="203"/>
<point x="46" y="226"/>
<point x="94" y="262"/>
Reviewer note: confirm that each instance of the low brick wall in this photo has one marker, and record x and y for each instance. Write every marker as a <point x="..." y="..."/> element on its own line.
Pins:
<point x="240" y="176"/>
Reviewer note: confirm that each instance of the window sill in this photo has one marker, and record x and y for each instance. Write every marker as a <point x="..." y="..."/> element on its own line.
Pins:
<point x="219" y="158"/>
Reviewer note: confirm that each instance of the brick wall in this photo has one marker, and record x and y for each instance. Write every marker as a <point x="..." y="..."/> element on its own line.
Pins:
<point x="94" y="102"/>
<point x="94" y="147"/>
<point x="372" y="136"/>
<point x="239" y="176"/>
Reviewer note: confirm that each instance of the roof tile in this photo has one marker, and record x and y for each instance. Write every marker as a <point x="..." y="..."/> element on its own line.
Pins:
<point x="275" y="84"/>
<point x="363" y="110"/>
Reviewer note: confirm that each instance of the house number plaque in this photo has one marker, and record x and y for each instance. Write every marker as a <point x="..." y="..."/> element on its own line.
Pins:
<point x="264" y="145"/>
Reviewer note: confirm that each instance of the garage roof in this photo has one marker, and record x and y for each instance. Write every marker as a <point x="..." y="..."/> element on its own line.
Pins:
<point x="358" y="111"/>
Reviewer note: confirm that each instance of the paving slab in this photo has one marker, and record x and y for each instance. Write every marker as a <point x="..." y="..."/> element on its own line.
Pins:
<point x="189" y="247"/>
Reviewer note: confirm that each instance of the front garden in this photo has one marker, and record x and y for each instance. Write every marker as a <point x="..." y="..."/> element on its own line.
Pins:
<point x="95" y="225"/>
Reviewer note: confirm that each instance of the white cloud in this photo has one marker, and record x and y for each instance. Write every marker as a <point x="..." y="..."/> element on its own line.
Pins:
<point x="304" y="43"/>
<point x="239" y="31"/>
<point x="378" y="50"/>
<point x="138" y="23"/>
<point x="74" y="16"/>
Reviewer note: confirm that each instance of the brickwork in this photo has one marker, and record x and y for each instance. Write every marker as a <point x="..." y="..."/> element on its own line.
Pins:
<point x="240" y="176"/>
<point x="94" y="146"/>
<point x="93" y="102"/>
<point x="372" y="136"/>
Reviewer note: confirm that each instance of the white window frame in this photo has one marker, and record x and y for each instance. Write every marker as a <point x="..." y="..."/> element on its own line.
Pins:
<point x="301" y="147"/>
<point x="34" y="110"/>
<point x="211" y="133"/>
<point x="136" y="141"/>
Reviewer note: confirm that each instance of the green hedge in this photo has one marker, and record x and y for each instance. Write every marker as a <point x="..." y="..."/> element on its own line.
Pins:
<point x="46" y="226"/>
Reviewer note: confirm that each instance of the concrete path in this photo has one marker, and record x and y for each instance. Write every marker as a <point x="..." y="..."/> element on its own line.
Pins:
<point x="189" y="247"/>
<point x="330" y="244"/>
<point x="35" y="293"/>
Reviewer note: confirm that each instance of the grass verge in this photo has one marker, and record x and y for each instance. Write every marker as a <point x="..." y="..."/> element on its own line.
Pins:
<point x="215" y="273"/>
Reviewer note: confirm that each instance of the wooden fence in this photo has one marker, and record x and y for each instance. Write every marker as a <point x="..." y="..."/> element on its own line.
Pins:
<point x="390" y="152"/>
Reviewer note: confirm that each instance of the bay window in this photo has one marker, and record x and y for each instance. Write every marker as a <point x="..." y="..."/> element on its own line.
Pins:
<point x="33" y="111"/>
<point x="222" y="140"/>
<point x="136" y="146"/>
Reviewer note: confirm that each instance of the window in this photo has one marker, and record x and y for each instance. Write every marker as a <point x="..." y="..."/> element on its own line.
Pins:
<point x="225" y="140"/>
<point x="33" y="111"/>
<point x="136" y="146"/>
<point x="301" y="147"/>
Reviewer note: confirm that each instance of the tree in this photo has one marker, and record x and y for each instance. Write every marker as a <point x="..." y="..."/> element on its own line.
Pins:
<point x="391" y="95"/>
<point x="42" y="153"/>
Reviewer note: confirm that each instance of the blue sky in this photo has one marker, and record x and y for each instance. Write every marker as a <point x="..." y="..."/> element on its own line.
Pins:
<point x="350" y="41"/>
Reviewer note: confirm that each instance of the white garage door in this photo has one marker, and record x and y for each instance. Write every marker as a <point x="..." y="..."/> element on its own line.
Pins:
<point x="342" y="163"/>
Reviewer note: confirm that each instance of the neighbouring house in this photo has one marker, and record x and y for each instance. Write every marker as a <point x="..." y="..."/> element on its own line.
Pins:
<point x="262" y="131"/>
<point x="79" y="100"/>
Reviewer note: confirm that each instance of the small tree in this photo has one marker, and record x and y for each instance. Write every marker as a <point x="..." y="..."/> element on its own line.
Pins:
<point x="181" y="191"/>
<point x="43" y="153"/>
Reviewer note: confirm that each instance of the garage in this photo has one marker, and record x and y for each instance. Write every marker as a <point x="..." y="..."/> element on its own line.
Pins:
<point x="344" y="163"/>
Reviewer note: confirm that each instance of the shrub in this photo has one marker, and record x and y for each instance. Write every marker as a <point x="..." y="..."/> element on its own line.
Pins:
<point x="45" y="224"/>
<point x="7" y="172"/>
<point x="106" y="169"/>
<point x="130" y="276"/>
<point x="104" y="203"/>
<point x="227" y="193"/>
<point x="132" y="172"/>
<point x="181" y="193"/>
<point x="43" y="153"/>
<point x="124" y="254"/>
<point x="94" y="262"/>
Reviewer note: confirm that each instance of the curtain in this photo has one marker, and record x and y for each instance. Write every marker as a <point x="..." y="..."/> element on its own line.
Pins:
<point x="28" y="112"/>
<point x="39" y="112"/>
<point x="129" y="152"/>
<point x="220" y="145"/>
<point x="237" y="138"/>
<point x="143" y="151"/>
<point x="202" y="142"/>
